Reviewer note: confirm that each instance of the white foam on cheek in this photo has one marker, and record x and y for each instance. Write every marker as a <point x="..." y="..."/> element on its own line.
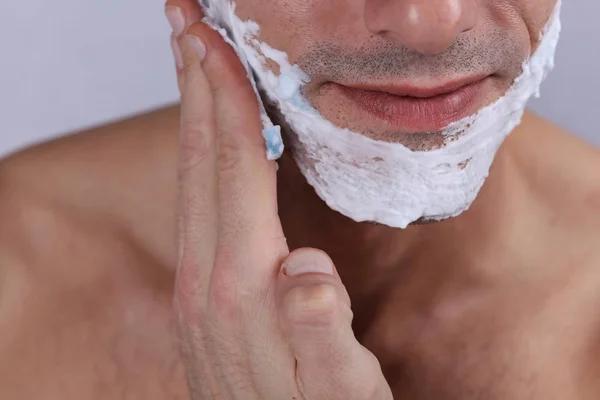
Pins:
<point x="370" y="180"/>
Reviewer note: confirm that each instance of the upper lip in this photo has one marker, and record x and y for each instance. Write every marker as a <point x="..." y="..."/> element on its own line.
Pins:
<point x="420" y="92"/>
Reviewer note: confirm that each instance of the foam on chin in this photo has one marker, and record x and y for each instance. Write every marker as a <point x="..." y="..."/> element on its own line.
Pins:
<point x="370" y="180"/>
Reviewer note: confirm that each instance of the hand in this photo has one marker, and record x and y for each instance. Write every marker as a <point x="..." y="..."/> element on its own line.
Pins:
<point x="255" y="321"/>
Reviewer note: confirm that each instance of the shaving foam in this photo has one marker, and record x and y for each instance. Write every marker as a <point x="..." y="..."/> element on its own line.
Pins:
<point x="372" y="180"/>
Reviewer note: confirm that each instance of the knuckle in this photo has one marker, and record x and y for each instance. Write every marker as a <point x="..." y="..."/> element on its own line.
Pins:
<point x="188" y="295"/>
<point x="313" y="305"/>
<point x="222" y="296"/>
<point x="230" y="154"/>
<point x="195" y="145"/>
<point x="189" y="159"/>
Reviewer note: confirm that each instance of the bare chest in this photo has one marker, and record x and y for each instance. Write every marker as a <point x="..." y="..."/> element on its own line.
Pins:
<point x="511" y="344"/>
<point x="78" y="333"/>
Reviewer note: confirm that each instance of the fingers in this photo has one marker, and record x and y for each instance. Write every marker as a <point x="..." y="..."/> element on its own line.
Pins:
<point x="250" y="234"/>
<point x="316" y="318"/>
<point x="198" y="188"/>
<point x="181" y="14"/>
<point x="232" y="238"/>
<point x="227" y="186"/>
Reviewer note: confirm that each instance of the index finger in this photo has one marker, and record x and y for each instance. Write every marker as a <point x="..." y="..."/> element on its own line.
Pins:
<point x="198" y="187"/>
<point x="181" y="14"/>
<point x="190" y="9"/>
<point x="250" y="233"/>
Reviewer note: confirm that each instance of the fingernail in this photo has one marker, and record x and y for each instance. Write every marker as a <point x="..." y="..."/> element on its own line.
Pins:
<point x="196" y="44"/>
<point x="307" y="261"/>
<point x="176" y="19"/>
<point x="176" y="51"/>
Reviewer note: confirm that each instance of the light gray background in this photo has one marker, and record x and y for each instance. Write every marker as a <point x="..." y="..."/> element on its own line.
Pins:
<point x="70" y="64"/>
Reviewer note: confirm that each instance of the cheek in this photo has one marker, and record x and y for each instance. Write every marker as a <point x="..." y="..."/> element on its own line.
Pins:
<point x="523" y="18"/>
<point x="284" y="24"/>
<point x="536" y="13"/>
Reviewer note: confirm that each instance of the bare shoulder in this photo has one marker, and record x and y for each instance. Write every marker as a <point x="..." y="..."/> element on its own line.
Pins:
<point x="74" y="200"/>
<point x="89" y="180"/>
<point x="563" y="170"/>
<point x="68" y="233"/>
<point x="574" y="163"/>
<point x="70" y="260"/>
<point x="552" y="139"/>
<point x="58" y="167"/>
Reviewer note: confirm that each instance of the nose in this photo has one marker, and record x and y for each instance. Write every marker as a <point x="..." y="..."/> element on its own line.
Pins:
<point x="426" y="26"/>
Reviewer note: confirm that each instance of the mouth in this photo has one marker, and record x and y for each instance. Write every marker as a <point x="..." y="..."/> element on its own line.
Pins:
<point x="419" y="109"/>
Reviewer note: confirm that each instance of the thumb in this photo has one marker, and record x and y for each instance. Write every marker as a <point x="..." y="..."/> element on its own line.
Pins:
<point x="315" y="317"/>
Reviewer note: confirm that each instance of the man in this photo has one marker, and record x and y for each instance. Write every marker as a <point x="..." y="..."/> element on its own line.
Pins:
<point x="496" y="303"/>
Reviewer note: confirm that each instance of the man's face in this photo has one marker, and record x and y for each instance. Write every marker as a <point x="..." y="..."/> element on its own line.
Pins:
<point x="393" y="68"/>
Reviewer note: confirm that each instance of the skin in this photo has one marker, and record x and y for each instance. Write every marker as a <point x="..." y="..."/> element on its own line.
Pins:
<point x="498" y="303"/>
<point x="378" y="43"/>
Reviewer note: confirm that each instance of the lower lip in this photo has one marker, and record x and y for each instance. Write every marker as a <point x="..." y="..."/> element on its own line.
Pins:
<point x="412" y="114"/>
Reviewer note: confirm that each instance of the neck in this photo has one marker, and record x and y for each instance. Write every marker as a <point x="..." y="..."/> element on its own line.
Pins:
<point x="372" y="257"/>
<point x="368" y="256"/>
<point x="481" y="248"/>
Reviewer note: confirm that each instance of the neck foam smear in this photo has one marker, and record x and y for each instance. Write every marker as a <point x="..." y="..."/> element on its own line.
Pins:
<point x="371" y="180"/>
